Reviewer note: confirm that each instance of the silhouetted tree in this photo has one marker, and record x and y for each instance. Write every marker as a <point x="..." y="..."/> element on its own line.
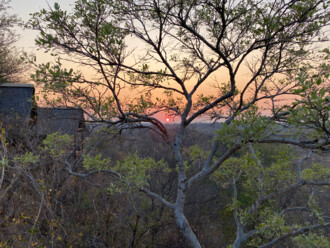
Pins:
<point x="177" y="47"/>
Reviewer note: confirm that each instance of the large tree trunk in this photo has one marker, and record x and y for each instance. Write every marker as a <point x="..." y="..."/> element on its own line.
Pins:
<point x="185" y="228"/>
<point x="180" y="218"/>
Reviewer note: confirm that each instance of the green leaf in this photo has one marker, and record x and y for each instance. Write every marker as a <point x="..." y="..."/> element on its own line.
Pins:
<point x="56" y="6"/>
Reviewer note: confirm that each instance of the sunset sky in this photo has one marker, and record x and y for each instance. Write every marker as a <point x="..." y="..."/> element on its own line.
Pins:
<point x="23" y="9"/>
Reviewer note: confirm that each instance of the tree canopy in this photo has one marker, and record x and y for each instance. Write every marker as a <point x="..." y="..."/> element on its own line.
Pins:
<point x="11" y="65"/>
<point x="270" y="84"/>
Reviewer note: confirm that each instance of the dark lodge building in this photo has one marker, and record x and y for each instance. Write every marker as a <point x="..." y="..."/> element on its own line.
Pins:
<point x="17" y="105"/>
<point x="63" y="120"/>
<point x="16" y="101"/>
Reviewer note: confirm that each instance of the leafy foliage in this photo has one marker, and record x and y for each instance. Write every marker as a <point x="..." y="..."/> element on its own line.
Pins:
<point x="136" y="171"/>
<point x="312" y="240"/>
<point x="58" y="145"/>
